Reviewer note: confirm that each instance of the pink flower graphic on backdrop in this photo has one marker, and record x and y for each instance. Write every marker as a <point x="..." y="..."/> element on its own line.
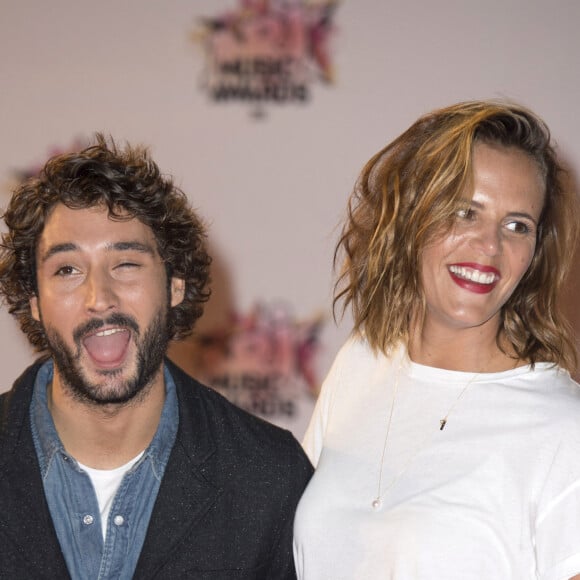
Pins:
<point x="33" y="170"/>
<point x="266" y="342"/>
<point x="268" y="50"/>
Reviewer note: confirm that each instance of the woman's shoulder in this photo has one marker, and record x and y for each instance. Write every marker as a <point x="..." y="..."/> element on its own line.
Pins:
<point x="553" y="380"/>
<point x="558" y="391"/>
<point x="357" y="351"/>
<point x="357" y="357"/>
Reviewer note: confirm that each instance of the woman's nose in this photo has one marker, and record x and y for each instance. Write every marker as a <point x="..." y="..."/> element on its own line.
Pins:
<point x="486" y="238"/>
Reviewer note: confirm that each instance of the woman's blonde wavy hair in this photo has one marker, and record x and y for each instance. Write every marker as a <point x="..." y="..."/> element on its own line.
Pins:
<point x="410" y="191"/>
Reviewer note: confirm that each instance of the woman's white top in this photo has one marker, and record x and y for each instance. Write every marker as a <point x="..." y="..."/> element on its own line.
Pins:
<point x="495" y="495"/>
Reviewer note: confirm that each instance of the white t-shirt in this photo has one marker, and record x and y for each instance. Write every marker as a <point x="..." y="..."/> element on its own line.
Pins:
<point x="106" y="483"/>
<point x="494" y="496"/>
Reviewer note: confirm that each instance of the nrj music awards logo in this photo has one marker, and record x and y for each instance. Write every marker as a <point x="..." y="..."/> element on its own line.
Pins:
<point x="19" y="175"/>
<point x="264" y="362"/>
<point x="33" y="170"/>
<point x="268" y="52"/>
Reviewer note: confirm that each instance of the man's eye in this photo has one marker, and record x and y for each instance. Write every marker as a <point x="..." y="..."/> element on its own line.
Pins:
<point x="65" y="271"/>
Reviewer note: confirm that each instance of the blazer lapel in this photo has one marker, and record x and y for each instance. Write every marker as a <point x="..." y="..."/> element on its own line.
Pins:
<point x="26" y="528"/>
<point x="185" y="494"/>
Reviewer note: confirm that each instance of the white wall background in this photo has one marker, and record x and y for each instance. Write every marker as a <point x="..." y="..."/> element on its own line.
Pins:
<point x="274" y="190"/>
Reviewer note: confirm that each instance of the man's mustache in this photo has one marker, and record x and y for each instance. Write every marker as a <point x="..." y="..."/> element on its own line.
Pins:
<point x="96" y="324"/>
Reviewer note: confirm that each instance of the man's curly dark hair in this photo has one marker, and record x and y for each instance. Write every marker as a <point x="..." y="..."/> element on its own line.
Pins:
<point x="129" y="184"/>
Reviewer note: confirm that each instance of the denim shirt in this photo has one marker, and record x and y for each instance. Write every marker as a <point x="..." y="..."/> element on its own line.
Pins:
<point x="72" y="500"/>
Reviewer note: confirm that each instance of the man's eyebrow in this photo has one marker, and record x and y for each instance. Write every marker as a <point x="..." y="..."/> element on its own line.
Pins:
<point x="115" y="247"/>
<point x="132" y="245"/>
<point x="58" y="249"/>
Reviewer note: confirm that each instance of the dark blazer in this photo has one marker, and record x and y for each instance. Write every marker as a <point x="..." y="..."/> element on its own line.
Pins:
<point x="225" y="507"/>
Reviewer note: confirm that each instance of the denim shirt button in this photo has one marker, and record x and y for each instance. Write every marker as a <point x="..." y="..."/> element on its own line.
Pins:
<point x="118" y="520"/>
<point x="88" y="520"/>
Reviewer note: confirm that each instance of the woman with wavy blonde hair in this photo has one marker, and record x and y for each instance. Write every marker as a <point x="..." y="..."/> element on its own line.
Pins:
<point x="447" y="434"/>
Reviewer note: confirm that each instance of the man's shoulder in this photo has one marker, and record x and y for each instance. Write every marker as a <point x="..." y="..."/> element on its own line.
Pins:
<point x="190" y="390"/>
<point x="21" y="390"/>
<point x="14" y="406"/>
<point x="228" y="423"/>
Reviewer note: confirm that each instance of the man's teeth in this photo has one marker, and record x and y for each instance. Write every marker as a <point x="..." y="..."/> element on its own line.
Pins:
<point x="109" y="331"/>
<point x="473" y="275"/>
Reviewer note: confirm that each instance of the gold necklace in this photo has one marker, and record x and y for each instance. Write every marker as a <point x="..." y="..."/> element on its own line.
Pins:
<point x="378" y="500"/>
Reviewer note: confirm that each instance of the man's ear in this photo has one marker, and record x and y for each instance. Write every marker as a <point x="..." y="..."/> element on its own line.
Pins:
<point x="177" y="291"/>
<point x="34" y="309"/>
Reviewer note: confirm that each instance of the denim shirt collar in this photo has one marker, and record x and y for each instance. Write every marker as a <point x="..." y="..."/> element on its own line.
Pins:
<point x="48" y="443"/>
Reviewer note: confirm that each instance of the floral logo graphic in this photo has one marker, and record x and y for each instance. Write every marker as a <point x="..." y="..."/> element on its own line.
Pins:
<point x="268" y="51"/>
<point x="33" y="170"/>
<point x="262" y="361"/>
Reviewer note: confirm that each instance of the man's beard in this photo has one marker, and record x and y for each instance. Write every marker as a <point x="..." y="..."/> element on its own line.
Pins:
<point x="151" y="348"/>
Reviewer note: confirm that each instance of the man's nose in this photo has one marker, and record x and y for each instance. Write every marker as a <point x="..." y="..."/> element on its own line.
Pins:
<point x="100" y="293"/>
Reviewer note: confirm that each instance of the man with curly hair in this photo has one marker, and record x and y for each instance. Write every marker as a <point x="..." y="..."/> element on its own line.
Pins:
<point x="113" y="462"/>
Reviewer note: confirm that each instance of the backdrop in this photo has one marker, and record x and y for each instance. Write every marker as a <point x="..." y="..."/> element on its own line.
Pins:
<point x="270" y="181"/>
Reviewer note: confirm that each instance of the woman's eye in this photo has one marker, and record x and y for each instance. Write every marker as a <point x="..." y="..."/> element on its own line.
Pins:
<point x="465" y="213"/>
<point x="519" y="227"/>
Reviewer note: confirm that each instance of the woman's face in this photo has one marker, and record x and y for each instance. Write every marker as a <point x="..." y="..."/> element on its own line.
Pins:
<point x="470" y="272"/>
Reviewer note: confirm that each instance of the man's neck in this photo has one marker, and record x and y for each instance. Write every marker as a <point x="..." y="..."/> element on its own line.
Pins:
<point x="105" y="437"/>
